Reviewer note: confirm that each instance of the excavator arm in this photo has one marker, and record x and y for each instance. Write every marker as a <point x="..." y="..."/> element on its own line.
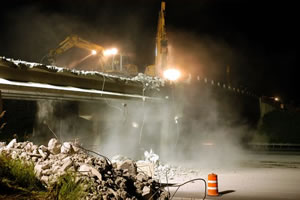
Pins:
<point x="73" y="41"/>
<point x="105" y="65"/>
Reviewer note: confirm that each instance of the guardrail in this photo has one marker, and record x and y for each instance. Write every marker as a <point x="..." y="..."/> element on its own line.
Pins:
<point x="274" y="146"/>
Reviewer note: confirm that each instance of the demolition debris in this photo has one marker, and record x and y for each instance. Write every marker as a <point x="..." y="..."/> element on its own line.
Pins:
<point x="148" y="82"/>
<point x="119" y="180"/>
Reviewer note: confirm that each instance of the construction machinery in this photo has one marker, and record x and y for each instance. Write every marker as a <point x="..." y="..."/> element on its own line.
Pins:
<point x="73" y="41"/>
<point x="110" y="61"/>
<point x="161" y="68"/>
<point x="161" y="50"/>
<point x="119" y="63"/>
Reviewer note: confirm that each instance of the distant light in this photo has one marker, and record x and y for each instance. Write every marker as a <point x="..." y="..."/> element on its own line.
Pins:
<point x="94" y="52"/>
<point x="172" y="74"/>
<point x="276" y="99"/>
<point x="135" y="125"/>
<point x="208" y="144"/>
<point x="109" y="52"/>
<point x="176" y="119"/>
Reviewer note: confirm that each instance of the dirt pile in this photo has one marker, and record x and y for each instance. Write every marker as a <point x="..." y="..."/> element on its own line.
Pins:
<point x="105" y="180"/>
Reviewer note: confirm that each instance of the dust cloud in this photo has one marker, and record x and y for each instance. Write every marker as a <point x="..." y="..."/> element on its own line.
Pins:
<point x="211" y="130"/>
<point x="193" y="127"/>
<point x="197" y="125"/>
<point x="110" y="127"/>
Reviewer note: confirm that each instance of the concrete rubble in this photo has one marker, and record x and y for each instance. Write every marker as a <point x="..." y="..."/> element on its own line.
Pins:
<point x="118" y="180"/>
<point x="165" y="173"/>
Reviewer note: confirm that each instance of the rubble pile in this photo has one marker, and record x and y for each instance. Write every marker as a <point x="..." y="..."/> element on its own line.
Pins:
<point x="165" y="172"/>
<point x="105" y="180"/>
<point x="149" y="81"/>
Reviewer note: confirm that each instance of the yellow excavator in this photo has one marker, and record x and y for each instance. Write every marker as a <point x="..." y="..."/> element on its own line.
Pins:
<point x="117" y="63"/>
<point x="73" y="41"/>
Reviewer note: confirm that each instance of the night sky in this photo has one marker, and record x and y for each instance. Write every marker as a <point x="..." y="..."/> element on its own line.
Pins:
<point x="258" y="39"/>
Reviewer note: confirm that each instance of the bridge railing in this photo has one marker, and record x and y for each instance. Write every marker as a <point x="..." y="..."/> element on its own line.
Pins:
<point x="274" y="146"/>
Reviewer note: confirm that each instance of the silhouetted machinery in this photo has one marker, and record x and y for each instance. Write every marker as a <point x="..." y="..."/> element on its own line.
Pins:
<point x="110" y="61"/>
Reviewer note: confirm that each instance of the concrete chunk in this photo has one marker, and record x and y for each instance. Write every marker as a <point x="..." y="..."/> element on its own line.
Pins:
<point x="11" y="144"/>
<point x="42" y="153"/>
<point x="54" y="146"/>
<point x="28" y="147"/>
<point x="38" y="170"/>
<point x="67" y="148"/>
<point x="146" y="191"/>
<point x="130" y="166"/>
<point x="67" y="164"/>
<point x="85" y="169"/>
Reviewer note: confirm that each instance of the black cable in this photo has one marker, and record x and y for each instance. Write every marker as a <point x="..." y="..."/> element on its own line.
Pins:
<point x="196" y="179"/>
<point x="106" y="158"/>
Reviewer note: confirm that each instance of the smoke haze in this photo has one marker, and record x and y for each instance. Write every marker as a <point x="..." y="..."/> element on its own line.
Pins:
<point x="194" y="127"/>
<point x="206" y="129"/>
<point x="204" y="56"/>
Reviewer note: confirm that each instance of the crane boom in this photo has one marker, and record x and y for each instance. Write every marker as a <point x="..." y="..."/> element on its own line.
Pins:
<point x="161" y="52"/>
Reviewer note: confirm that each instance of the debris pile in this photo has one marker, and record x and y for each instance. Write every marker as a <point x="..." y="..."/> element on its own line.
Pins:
<point x="163" y="172"/>
<point x="149" y="82"/>
<point x="105" y="180"/>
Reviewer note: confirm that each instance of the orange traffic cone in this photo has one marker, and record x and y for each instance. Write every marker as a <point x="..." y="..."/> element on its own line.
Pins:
<point x="212" y="185"/>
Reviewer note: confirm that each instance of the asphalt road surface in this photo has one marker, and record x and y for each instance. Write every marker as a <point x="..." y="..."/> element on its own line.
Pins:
<point x="261" y="176"/>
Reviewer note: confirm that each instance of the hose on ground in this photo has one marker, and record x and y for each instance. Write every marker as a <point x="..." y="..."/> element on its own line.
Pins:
<point x="180" y="185"/>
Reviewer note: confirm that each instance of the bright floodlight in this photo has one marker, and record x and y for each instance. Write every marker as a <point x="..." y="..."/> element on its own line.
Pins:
<point x="94" y="52"/>
<point x="109" y="52"/>
<point x="114" y="51"/>
<point x="172" y="74"/>
<point x="135" y="125"/>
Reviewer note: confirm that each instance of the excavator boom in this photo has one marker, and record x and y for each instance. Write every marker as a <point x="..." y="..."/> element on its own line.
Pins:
<point x="73" y="41"/>
<point x="105" y="65"/>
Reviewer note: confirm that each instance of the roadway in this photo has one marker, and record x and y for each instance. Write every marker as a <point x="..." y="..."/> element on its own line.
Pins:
<point x="260" y="176"/>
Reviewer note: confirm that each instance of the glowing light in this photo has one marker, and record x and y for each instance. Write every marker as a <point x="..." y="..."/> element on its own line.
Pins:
<point x="109" y="52"/>
<point x="94" y="52"/>
<point x="172" y="74"/>
<point x="176" y="119"/>
<point x="208" y="144"/>
<point x="276" y="99"/>
<point x="135" y="125"/>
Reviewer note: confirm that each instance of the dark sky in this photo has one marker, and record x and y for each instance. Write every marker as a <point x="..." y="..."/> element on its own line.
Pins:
<point x="258" y="39"/>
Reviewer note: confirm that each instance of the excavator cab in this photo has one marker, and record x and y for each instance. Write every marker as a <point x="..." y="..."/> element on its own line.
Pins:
<point x="120" y="64"/>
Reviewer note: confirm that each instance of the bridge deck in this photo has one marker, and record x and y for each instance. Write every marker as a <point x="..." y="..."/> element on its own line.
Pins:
<point x="19" y="79"/>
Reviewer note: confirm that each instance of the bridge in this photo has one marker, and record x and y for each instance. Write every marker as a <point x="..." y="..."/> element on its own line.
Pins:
<point x="20" y="79"/>
<point x="150" y="104"/>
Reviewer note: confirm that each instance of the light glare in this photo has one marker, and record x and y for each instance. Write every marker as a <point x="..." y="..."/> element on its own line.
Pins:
<point x="172" y="74"/>
<point x="135" y="125"/>
<point x="109" y="52"/>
